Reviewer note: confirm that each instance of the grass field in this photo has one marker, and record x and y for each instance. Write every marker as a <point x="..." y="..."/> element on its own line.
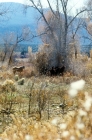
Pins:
<point x="41" y="108"/>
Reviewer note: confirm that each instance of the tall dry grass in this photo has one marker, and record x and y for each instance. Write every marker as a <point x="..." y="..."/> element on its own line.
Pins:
<point x="74" y="125"/>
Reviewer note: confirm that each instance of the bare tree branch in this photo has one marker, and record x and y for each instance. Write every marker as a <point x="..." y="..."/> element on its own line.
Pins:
<point x="51" y="8"/>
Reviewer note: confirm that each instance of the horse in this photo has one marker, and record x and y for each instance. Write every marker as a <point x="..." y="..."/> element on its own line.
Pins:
<point x="18" y="69"/>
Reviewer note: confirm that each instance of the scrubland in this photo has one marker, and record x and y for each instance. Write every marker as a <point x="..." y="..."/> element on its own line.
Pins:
<point x="34" y="107"/>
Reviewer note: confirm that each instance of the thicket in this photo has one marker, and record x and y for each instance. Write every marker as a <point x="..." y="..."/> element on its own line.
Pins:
<point x="46" y="58"/>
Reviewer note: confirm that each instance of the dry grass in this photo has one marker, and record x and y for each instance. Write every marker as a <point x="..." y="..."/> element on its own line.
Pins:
<point x="74" y="125"/>
<point x="28" y="72"/>
<point x="73" y="122"/>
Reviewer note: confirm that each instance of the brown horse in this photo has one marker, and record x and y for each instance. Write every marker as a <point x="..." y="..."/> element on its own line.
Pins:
<point x="18" y="69"/>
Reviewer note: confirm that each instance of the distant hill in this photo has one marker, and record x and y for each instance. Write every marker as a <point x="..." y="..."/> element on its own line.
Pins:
<point x="18" y="15"/>
<point x="15" y="20"/>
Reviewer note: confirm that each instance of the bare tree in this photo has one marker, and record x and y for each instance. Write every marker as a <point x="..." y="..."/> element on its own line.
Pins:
<point x="63" y="25"/>
<point x="89" y="11"/>
<point x="4" y="16"/>
<point x="4" y="12"/>
<point x="53" y="39"/>
<point x="11" y="41"/>
<point x="74" y="37"/>
<point x="8" y="39"/>
<point x="87" y="24"/>
<point x="23" y="36"/>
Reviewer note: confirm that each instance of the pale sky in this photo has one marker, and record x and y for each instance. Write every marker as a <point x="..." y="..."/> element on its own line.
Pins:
<point x="77" y="2"/>
<point x="72" y="3"/>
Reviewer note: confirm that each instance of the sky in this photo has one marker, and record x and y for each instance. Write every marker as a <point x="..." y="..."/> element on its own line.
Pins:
<point x="19" y="1"/>
<point x="77" y="2"/>
<point x="72" y="3"/>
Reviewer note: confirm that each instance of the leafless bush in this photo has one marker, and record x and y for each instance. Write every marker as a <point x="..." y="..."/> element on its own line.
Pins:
<point x="1" y="55"/>
<point x="91" y="54"/>
<point x="41" y="62"/>
<point x="29" y="72"/>
<point x="47" y="57"/>
<point x="79" y="67"/>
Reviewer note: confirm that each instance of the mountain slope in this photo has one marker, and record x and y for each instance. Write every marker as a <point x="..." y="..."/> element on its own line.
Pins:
<point x="19" y="17"/>
<point x="17" y="14"/>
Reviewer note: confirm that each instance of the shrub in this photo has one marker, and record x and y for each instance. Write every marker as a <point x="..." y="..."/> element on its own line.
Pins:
<point x="8" y="85"/>
<point x="42" y="62"/>
<point x="91" y="53"/>
<point x="16" y="77"/>
<point x="29" y="72"/>
<point x="79" y="68"/>
<point x="21" y="81"/>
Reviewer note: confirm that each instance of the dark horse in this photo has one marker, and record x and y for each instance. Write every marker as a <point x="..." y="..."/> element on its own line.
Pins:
<point x="54" y="71"/>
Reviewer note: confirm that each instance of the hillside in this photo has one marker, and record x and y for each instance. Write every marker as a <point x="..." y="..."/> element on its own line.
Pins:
<point x="15" y="20"/>
<point x="18" y="15"/>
